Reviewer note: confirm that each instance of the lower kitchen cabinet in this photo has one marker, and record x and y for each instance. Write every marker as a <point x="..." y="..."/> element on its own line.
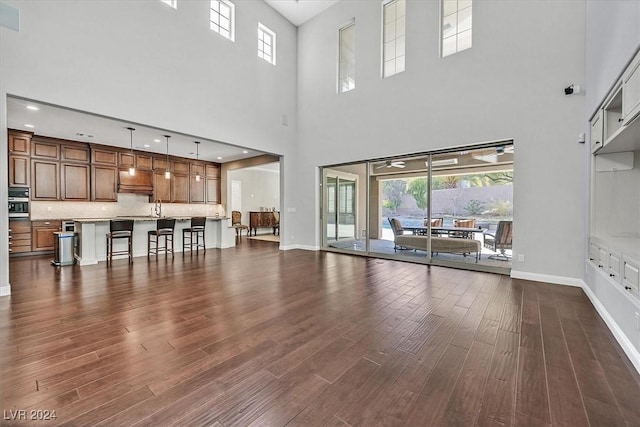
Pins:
<point x="42" y="235"/>
<point x="19" y="235"/>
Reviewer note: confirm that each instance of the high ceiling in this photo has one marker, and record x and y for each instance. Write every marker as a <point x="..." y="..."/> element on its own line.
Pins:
<point x="57" y="122"/>
<point x="300" y="11"/>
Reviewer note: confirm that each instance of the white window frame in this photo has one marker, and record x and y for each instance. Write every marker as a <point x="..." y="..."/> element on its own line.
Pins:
<point x="341" y="79"/>
<point x="462" y="8"/>
<point x="262" y="52"/>
<point x="216" y="15"/>
<point x="172" y="3"/>
<point x="398" y="42"/>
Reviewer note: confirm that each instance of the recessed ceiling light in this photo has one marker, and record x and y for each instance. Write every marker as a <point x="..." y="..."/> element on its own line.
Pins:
<point x="219" y="158"/>
<point x="146" y="146"/>
<point x="156" y="140"/>
<point x="29" y="126"/>
<point x="245" y="152"/>
<point x="32" y="107"/>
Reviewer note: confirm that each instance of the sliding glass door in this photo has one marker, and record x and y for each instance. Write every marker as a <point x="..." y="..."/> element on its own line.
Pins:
<point x="451" y="208"/>
<point x="341" y="213"/>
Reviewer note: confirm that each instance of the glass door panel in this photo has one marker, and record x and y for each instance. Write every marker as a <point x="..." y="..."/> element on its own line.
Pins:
<point x="344" y="211"/>
<point x="399" y="206"/>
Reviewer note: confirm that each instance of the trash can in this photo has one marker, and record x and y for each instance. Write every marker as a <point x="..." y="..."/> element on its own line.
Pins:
<point x="63" y="251"/>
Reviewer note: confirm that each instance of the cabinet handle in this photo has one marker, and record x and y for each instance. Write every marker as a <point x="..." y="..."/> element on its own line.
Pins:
<point x="612" y="275"/>
<point x="628" y="288"/>
<point x="620" y="120"/>
<point x="47" y="223"/>
<point x="590" y="259"/>
<point x="600" y="266"/>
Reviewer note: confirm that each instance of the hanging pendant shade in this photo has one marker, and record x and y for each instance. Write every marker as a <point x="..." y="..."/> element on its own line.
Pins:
<point x="132" y="170"/>
<point x="197" y="155"/>
<point x="167" y="174"/>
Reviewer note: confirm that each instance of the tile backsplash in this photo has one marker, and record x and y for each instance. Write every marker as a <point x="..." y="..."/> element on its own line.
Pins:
<point x="127" y="204"/>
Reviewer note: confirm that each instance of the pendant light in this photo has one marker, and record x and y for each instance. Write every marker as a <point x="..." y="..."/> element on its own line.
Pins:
<point x="167" y="174"/>
<point x="132" y="170"/>
<point x="197" y="155"/>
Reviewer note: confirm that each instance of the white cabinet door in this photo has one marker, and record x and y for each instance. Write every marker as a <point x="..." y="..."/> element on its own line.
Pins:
<point x="631" y="274"/>
<point x="631" y="91"/>
<point x="596" y="132"/>
<point x="614" y="266"/>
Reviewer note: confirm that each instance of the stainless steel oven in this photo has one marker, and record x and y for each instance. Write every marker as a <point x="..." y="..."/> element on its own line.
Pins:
<point x="18" y="202"/>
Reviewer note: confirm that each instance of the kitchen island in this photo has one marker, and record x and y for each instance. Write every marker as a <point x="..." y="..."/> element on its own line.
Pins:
<point x="92" y="236"/>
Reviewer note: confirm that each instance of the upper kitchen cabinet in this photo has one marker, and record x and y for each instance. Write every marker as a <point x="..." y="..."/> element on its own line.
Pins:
<point x="102" y="156"/>
<point x="126" y="159"/>
<point x="213" y="190"/>
<point x="19" y="143"/>
<point x="178" y="166"/>
<point x="18" y="171"/>
<point x="77" y="153"/>
<point x="631" y="92"/>
<point x="75" y="182"/>
<point x="179" y="188"/>
<point x="43" y="149"/>
<point x="196" y="189"/>
<point x="45" y="180"/>
<point x="104" y="183"/>
<point x="161" y="187"/>
<point x="213" y="170"/>
<point x="144" y="161"/>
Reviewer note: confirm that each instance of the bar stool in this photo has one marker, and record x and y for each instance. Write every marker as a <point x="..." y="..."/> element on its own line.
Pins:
<point x="164" y="228"/>
<point x="120" y="229"/>
<point x="196" y="229"/>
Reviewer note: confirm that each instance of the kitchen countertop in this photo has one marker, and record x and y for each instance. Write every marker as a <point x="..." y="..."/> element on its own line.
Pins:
<point x="145" y="218"/>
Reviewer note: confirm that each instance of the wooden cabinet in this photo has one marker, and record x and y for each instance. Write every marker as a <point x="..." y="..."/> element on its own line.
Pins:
<point x="261" y="220"/>
<point x="104" y="182"/>
<point x="42" y="235"/>
<point x="126" y="159"/>
<point x="101" y="156"/>
<point x="18" y="171"/>
<point x="45" y="180"/>
<point x="144" y="161"/>
<point x="212" y="171"/>
<point x="213" y="190"/>
<point x="178" y="166"/>
<point x="19" y="149"/>
<point x="20" y="235"/>
<point x="75" y="182"/>
<point x="74" y="153"/>
<point x="631" y="91"/>
<point x="179" y="188"/>
<point x="19" y="143"/>
<point x="45" y="150"/>
<point x="160" y="163"/>
<point x="196" y="168"/>
<point x="196" y="189"/>
<point x="161" y="187"/>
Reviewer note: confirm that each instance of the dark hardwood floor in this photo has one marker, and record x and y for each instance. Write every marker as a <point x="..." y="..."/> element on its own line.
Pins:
<point x="256" y="336"/>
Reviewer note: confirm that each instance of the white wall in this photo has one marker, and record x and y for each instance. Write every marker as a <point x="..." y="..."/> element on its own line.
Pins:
<point x="508" y="86"/>
<point x="147" y="63"/>
<point x="259" y="189"/>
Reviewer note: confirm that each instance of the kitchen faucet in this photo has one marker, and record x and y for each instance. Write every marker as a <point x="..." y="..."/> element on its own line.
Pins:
<point x="158" y="208"/>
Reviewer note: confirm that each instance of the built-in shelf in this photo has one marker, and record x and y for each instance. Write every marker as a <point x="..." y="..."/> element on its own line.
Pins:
<point x="625" y="138"/>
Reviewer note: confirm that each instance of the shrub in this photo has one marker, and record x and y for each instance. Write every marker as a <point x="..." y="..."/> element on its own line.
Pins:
<point x="474" y="207"/>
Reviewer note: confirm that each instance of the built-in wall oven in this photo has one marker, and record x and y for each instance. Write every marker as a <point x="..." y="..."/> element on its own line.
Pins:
<point x="18" y="202"/>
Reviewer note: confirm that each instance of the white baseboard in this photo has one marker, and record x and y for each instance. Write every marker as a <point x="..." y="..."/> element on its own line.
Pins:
<point x="303" y="247"/>
<point x="627" y="346"/>
<point x="547" y="278"/>
<point x="629" y="349"/>
<point x="5" y="291"/>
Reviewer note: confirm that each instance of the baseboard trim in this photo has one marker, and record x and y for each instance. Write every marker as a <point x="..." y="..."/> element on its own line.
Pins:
<point x="547" y="278"/>
<point x="5" y="291"/>
<point x="627" y="346"/>
<point x="303" y="247"/>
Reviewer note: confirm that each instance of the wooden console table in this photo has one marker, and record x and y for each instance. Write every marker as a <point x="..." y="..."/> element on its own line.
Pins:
<point x="262" y="220"/>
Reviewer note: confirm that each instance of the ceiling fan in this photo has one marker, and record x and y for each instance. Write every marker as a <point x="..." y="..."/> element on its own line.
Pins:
<point x="392" y="164"/>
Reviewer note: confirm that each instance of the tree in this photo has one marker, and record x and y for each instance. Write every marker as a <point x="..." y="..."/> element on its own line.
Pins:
<point x="417" y="187"/>
<point x="392" y="192"/>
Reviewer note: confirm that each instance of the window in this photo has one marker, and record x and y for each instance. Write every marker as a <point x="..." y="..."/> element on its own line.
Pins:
<point x="266" y="44"/>
<point x="222" y="18"/>
<point x="393" y="37"/>
<point x="456" y="26"/>
<point x="172" y="3"/>
<point x="347" y="58"/>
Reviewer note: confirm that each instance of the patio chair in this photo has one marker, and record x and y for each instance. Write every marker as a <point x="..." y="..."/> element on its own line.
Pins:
<point x="500" y="241"/>
<point x="463" y="223"/>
